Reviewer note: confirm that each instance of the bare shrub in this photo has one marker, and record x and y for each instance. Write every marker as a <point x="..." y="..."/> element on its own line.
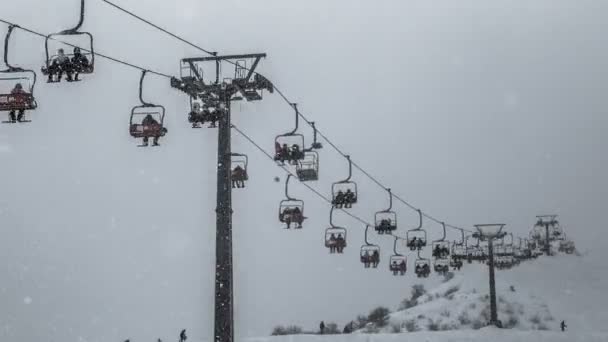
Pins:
<point x="433" y="326"/>
<point x="477" y="324"/>
<point x="411" y="326"/>
<point x="464" y="318"/>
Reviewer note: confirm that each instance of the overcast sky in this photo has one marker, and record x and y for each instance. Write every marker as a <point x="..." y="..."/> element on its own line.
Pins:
<point x="475" y="111"/>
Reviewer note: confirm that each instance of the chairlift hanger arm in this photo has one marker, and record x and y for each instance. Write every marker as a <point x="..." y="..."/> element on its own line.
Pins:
<point x="444" y="234"/>
<point x="287" y="188"/>
<point x="419" y="220"/>
<point x="390" y="198"/>
<point x="366" y="230"/>
<point x="331" y="218"/>
<point x="80" y="21"/>
<point x="395" y="246"/>
<point x="141" y="89"/>
<point x="350" y="170"/>
<point x="295" y="107"/>
<point x="6" y="40"/>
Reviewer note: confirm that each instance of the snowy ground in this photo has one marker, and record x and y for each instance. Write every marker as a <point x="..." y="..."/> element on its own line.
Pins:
<point x="485" y="335"/>
<point x="533" y="299"/>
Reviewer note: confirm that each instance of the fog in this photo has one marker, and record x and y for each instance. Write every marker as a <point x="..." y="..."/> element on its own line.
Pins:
<point x="473" y="111"/>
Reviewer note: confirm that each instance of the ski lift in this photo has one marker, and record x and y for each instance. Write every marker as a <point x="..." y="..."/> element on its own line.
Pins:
<point x="416" y="238"/>
<point x="16" y="87"/>
<point x="370" y="254"/>
<point x="307" y="169"/>
<point x="386" y="220"/>
<point x="147" y="119"/>
<point x="441" y="266"/>
<point x="423" y="266"/>
<point x="291" y="210"/>
<point x="397" y="262"/>
<point x="441" y="247"/>
<point x="290" y="146"/>
<point x="75" y="63"/>
<point x="202" y="112"/>
<point x="239" y="170"/>
<point x="441" y="253"/>
<point x="459" y="250"/>
<point x="345" y="193"/>
<point x="335" y="237"/>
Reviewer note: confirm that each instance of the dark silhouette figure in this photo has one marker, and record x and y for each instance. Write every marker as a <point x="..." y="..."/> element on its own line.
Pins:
<point x="79" y="64"/>
<point x="322" y="328"/>
<point x="182" y="336"/>
<point x="151" y="123"/>
<point x="59" y="65"/>
<point x="563" y="325"/>
<point x="19" y="93"/>
<point x="375" y="259"/>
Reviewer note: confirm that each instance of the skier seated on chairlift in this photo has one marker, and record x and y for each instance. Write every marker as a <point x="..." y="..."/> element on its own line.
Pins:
<point x="212" y="116"/>
<point x="59" y="65"/>
<point x="385" y="225"/>
<point x="366" y="259"/>
<point x="402" y="267"/>
<point x="18" y="92"/>
<point x="79" y="63"/>
<point x="413" y="243"/>
<point x="295" y="153"/>
<point x="339" y="200"/>
<point x="340" y="243"/>
<point x="395" y="267"/>
<point x="333" y="242"/>
<point x="239" y="175"/>
<point x="349" y="198"/>
<point x="196" y="117"/>
<point x="375" y="259"/>
<point x="290" y="215"/>
<point x="426" y="269"/>
<point x="436" y="251"/>
<point x="281" y="152"/>
<point x="151" y="124"/>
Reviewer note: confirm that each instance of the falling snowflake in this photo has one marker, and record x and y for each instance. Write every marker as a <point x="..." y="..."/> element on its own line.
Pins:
<point x="27" y="300"/>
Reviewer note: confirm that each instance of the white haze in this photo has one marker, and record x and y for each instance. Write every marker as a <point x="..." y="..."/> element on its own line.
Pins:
<point x="476" y="111"/>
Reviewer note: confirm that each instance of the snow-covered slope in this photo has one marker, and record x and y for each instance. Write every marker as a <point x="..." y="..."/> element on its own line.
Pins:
<point x="483" y="335"/>
<point x="535" y="296"/>
<point x="532" y="300"/>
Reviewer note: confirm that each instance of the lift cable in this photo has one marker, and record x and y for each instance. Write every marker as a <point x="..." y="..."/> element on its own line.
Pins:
<point x="290" y="103"/>
<point x="116" y="60"/>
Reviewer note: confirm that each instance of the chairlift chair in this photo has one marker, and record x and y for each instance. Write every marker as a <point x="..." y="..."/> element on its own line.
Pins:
<point x="335" y="237"/>
<point x="422" y="266"/>
<point x="89" y="52"/>
<point x="397" y="262"/>
<point x="441" y="247"/>
<point x="290" y="146"/>
<point x="147" y="119"/>
<point x="16" y="87"/>
<point x="307" y="169"/>
<point x="386" y="220"/>
<point x="416" y="238"/>
<point x="370" y="253"/>
<point x="441" y="266"/>
<point x="239" y="171"/>
<point x="345" y="192"/>
<point x="291" y="210"/>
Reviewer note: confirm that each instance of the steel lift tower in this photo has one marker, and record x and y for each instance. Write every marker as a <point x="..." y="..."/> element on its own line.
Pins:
<point x="217" y="94"/>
